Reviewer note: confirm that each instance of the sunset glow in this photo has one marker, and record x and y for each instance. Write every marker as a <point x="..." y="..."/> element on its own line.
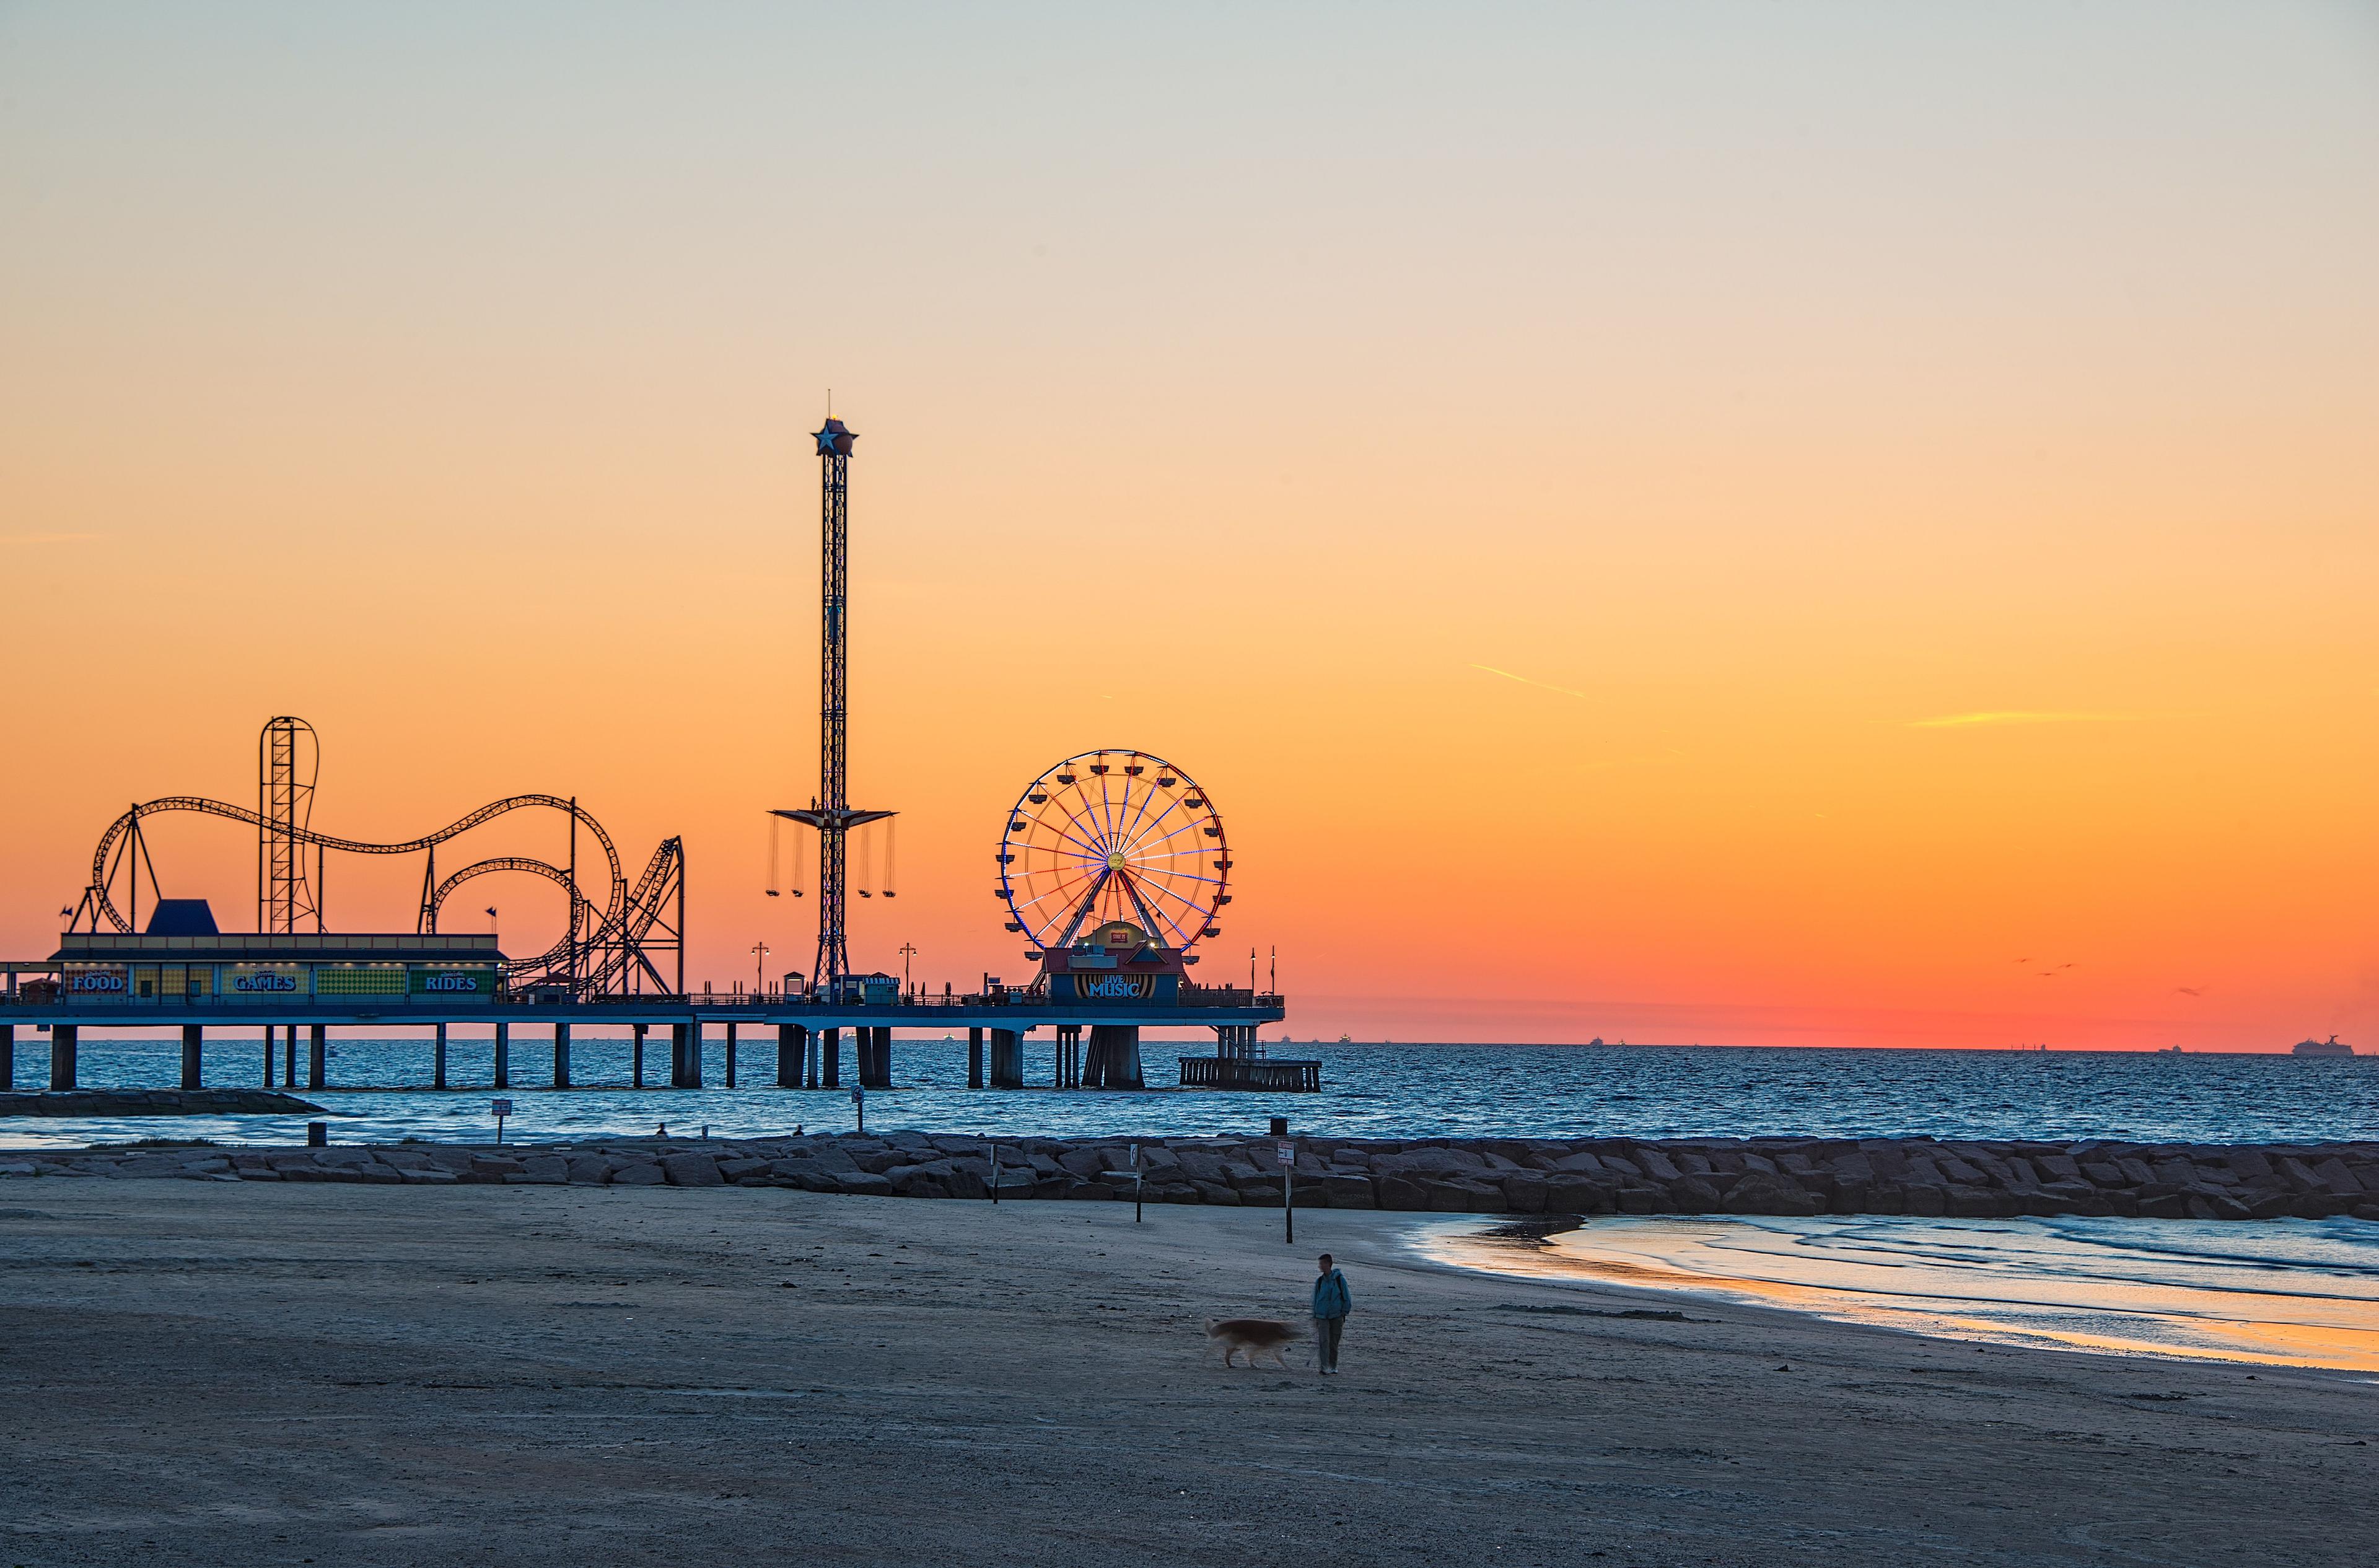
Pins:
<point x="1845" y="529"/>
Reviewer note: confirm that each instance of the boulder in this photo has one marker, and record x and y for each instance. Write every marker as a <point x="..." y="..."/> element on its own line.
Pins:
<point x="1692" y="1195"/>
<point x="639" y="1173"/>
<point x="1761" y="1193"/>
<point x="1349" y="1191"/>
<point x="691" y="1170"/>
<point x="1524" y="1191"/>
<point x="1401" y="1192"/>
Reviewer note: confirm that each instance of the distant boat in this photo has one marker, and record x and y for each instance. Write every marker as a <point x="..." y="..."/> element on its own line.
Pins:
<point x="2329" y="1047"/>
<point x="2172" y="1051"/>
<point x="1344" y="1041"/>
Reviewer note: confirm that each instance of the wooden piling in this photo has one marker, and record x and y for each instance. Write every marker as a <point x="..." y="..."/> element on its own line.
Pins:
<point x="974" y="1057"/>
<point x="63" y="1038"/>
<point x="316" y="1053"/>
<point x="193" y="1037"/>
<point x="562" y="1056"/>
<point x="436" y="1066"/>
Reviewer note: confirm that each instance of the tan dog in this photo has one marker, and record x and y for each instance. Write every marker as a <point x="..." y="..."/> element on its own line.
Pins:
<point x="1254" y="1335"/>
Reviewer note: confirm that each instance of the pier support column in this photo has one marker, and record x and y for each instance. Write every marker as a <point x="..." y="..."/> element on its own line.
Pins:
<point x="875" y="1058"/>
<point x="438" y="1061"/>
<point x="813" y="1040"/>
<point x="7" y="1057"/>
<point x="316" y="1053"/>
<point x="62" y="1056"/>
<point x="193" y="1035"/>
<point x="562" y="1056"/>
<point x="1115" y="1056"/>
<point x="685" y="1054"/>
<point x="790" y="1042"/>
<point x="289" y="1056"/>
<point x="503" y="1055"/>
<point x="730" y="1054"/>
<point x="974" y="1057"/>
<point x="829" y="1058"/>
<point x="1006" y="1058"/>
<point x="636" y="1060"/>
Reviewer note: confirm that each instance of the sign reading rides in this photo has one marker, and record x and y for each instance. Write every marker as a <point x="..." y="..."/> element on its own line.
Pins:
<point x="466" y="980"/>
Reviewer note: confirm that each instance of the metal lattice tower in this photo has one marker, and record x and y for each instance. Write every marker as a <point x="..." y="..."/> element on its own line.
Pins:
<point x="284" y="894"/>
<point x="830" y="812"/>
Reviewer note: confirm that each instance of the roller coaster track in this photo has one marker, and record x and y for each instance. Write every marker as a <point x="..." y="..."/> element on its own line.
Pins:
<point x="608" y="953"/>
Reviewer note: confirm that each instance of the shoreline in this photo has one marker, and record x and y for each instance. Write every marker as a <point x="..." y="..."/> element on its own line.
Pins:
<point x="2079" y="1287"/>
<point x="1789" y="1176"/>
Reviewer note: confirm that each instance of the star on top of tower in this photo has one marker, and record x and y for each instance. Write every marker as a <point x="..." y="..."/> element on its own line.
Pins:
<point x="835" y="439"/>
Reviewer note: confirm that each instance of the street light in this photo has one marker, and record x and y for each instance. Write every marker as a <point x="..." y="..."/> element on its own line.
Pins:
<point x="908" y="951"/>
<point x="759" y="966"/>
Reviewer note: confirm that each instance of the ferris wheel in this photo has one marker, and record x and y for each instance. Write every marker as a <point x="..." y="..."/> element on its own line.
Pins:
<point x="1114" y="835"/>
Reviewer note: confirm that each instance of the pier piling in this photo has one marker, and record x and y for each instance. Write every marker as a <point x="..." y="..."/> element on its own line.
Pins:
<point x="504" y="1054"/>
<point x="636" y="1059"/>
<point x="438" y="1062"/>
<point x="193" y="1037"/>
<point x="318" y="1066"/>
<point x="7" y="1056"/>
<point x="789" y="1054"/>
<point x="562" y="1056"/>
<point x="829" y="1058"/>
<point x="1006" y="1058"/>
<point x="62" y="1056"/>
<point x="730" y="1054"/>
<point x="974" y="1057"/>
<point x="289" y="1056"/>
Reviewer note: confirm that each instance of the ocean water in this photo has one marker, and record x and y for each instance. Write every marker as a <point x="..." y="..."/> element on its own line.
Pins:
<point x="380" y="1092"/>
<point x="2295" y="1293"/>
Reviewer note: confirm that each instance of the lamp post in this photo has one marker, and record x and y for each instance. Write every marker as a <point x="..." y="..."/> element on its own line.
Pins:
<point x="759" y="966"/>
<point x="908" y="951"/>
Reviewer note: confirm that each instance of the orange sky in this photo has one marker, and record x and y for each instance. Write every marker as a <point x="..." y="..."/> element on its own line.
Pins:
<point x="1705" y="525"/>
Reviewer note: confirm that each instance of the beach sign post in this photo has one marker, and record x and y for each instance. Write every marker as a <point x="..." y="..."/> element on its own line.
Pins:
<point x="859" y="1106"/>
<point x="502" y="1108"/>
<point x="1287" y="1154"/>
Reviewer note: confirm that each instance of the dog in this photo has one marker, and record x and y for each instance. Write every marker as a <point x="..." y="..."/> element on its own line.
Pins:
<point x="1254" y="1335"/>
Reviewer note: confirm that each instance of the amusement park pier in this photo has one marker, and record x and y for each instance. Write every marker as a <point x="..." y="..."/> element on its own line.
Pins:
<point x="1112" y="867"/>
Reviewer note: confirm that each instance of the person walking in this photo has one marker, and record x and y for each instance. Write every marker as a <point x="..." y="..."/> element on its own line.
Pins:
<point x="1332" y="1302"/>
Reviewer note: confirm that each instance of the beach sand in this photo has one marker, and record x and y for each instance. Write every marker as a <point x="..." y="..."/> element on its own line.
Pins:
<point x="234" y="1373"/>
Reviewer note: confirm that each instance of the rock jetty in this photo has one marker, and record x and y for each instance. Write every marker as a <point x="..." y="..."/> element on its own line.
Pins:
<point x="1791" y="1175"/>
<point x="157" y="1103"/>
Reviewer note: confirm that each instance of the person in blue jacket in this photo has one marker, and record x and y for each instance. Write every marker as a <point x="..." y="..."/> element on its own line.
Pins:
<point x="1332" y="1302"/>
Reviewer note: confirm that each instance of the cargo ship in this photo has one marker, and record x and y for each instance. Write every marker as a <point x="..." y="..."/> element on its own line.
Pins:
<point x="2329" y="1047"/>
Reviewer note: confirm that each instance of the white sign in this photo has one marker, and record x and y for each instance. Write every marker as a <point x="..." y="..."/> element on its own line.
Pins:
<point x="1287" y="1153"/>
<point x="501" y="1107"/>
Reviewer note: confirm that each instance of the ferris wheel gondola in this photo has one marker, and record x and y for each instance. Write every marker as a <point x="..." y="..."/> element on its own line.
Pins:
<point x="1114" y="835"/>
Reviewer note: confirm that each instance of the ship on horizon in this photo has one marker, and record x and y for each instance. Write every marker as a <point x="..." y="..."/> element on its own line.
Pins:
<point x="2332" y="1046"/>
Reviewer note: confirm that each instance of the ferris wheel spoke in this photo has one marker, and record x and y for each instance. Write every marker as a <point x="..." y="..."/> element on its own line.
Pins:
<point x="1168" y="838"/>
<point x="1076" y="819"/>
<point x="1138" y="829"/>
<point x="1100" y="844"/>
<point x="1088" y="847"/>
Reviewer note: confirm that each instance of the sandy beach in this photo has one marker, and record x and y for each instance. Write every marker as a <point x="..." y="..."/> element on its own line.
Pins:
<point x="202" y="1372"/>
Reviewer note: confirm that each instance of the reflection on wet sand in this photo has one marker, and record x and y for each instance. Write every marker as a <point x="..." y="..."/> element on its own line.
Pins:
<point x="2291" y="1292"/>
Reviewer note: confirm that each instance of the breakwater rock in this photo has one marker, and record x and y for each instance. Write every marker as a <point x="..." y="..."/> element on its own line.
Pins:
<point x="1780" y="1176"/>
<point x="157" y="1103"/>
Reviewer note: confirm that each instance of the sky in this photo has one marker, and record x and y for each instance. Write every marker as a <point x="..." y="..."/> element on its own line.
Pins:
<point x="1841" y="524"/>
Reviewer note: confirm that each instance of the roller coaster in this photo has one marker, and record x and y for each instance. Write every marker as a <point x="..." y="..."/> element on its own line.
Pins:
<point x="609" y="950"/>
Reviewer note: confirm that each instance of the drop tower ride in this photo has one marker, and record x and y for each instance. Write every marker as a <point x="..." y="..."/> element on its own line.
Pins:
<point x="830" y="811"/>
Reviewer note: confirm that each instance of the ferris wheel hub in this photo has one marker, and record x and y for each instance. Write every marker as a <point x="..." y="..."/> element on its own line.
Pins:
<point x="1115" y="860"/>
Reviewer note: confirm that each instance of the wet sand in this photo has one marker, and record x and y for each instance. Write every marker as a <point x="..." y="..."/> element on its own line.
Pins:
<point x="201" y="1372"/>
